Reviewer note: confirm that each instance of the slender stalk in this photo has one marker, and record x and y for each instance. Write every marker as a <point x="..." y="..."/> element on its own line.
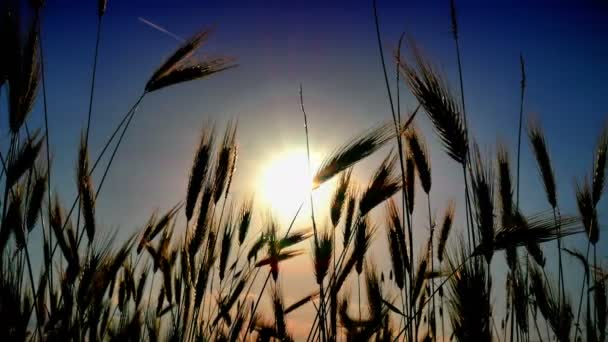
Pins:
<point x="212" y="270"/>
<point x="430" y="252"/>
<point x="442" y="312"/>
<point x="333" y="256"/>
<point x="29" y="269"/>
<point x="359" y="293"/>
<point x="561" y="288"/>
<point x="458" y="59"/>
<point x="595" y="321"/>
<point x="521" y="115"/>
<point x="91" y="93"/>
<point x="468" y="210"/>
<point x="403" y="304"/>
<point x="455" y="36"/>
<point x="580" y="301"/>
<point x="312" y="211"/>
<point x="46" y="137"/>
<point x="25" y="248"/>
<point x="397" y="129"/>
<point x="404" y="200"/>
<point x="11" y="152"/>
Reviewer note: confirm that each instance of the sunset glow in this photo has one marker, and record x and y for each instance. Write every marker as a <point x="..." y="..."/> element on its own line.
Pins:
<point x="285" y="182"/>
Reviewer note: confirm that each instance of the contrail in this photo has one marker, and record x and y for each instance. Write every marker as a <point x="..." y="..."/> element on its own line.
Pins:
<point x="161" y="29"/>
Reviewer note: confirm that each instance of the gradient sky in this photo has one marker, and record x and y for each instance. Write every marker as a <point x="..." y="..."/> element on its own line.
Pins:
<point x="329" y="47"/>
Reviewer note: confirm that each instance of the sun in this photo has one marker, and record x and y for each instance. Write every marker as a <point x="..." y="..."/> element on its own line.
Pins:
<point x="285" y="182"/>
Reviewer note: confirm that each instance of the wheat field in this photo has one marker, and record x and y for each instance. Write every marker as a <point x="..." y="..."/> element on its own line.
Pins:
<point x="206" y="270"/>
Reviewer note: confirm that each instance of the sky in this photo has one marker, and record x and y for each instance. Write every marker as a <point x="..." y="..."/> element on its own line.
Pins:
<point x="330" y="48"/>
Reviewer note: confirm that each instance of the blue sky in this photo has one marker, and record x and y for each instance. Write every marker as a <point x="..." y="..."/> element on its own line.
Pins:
<point x="329" y="47"/>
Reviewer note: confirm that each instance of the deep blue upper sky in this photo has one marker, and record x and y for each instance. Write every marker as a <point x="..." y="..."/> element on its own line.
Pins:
<point x="329" y="47"/>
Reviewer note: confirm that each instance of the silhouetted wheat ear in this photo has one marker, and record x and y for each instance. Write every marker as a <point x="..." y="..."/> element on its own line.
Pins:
<point x="162" y="224"/>
<point x="180" y="67"/>
<point x="339" y="197"/>
<point x="420" y="272"/>
<point x="226" y="246"/>
<point x="225" y="162"/>
<point x="541" y="153"/>
<point x="483" y="195"/>
<point x="200" y="167"/>
<point x="24" y="159"/>
<point x="203" y="221"/>
<point x="56" y="222"/>
<point x="182" y="53"/>
<point x="444" y="233"/>
<point x="245" y="219"/>
<point x="599" y="290"/>
<point x="13" y="220"/>
<point x="374" y="293"/>
<point x="276" y="246"/>
<point x="322" y="253"/>
<point x="384" y="184"/>
<point x="559" y="320"/>
<point x="226" y="304"/>
<point x="520" y="300"/>
<point x="533" y="230"/>
<point x="364" y="231"/>
<point x="599" y="168"/>
<point x="587" y="210"/>
<point x="396" y="256"/>
<point x="203" y="274"/>
<point x="22" y="69"/>
<point x="469" y="285"/>
<point x="394" y="222"/>
<point x="410" y="182"/>
<point x="36" y="198"/>
<point x="419" y="152"/>
<point x="85" y="189"/>
<point x="505" y="186"/>
<point x="279" y="311"/>
<point x="352" y="152"/>
<point x="434" y="96"/>
<point x="349" y="214"/>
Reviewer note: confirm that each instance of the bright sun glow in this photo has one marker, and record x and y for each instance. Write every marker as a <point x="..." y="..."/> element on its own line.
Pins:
<point x="285" y="182"/>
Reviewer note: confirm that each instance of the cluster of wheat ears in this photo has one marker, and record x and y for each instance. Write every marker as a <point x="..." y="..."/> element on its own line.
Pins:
<point x="205" y="276"/>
